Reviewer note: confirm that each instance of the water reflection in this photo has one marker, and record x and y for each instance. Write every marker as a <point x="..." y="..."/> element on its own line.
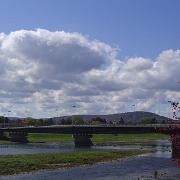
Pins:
<point x="15" y="149"/>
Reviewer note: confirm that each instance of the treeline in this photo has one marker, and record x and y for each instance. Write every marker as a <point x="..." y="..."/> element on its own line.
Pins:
<point x="32" y="122"/>
<point x="77" y="120"/>
<point x="74" y="120"/>
<point x="6" y="122"/>
<point x="151" y="120"/>
<point x="3" y="121"/>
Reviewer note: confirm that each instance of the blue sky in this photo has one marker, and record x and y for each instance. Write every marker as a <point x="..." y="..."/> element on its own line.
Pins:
<point x="137" y="27"/>
<point x="111" y="54"/>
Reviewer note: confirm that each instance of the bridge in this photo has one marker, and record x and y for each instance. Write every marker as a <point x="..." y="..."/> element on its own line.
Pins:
<point x="82" y="133"/>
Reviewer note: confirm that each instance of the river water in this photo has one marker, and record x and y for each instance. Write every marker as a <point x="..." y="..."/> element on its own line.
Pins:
<point x="158" y="164"/>
<point x="56" y="147"/>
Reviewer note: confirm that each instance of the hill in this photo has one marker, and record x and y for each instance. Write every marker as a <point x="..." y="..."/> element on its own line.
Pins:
<point x="128" y="117"/>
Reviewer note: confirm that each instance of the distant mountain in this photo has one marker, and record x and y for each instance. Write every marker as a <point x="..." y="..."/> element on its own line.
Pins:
<point x="128" y="117"/>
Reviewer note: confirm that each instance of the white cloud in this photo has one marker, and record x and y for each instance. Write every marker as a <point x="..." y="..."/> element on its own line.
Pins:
<point x="42" y="70"/>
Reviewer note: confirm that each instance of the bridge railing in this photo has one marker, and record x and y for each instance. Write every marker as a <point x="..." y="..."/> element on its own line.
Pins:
<point x="101" y="125"/>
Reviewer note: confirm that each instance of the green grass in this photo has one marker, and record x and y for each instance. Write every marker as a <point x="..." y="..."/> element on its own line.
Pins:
<point x="102" y="139"/>
<point x="6" y="142"/>
<point x="129" y="136"/>
<point x="128" y="139"/>
<point x="49" y="137"/>
<point x="96" y="137"/>
<point x="119" y="143"/>
<point x="27" y="163"/>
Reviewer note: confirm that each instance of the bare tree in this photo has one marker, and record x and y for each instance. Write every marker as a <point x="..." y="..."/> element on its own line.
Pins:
<point x="175" y="108"/>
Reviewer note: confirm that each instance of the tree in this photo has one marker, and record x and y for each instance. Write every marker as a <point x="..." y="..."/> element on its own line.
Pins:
<point x="121" y="121"/>
<point x="3" y="120"/>
<point x="148" y="120"/>
<point x="39" y="122"/>
<point x="97" y="120"/>
<point x="67" y="121"/>
<point x="163" y="122"/>
<point x="29" y="122"/>
<point x="77" y="120"/>
<point x="49" y="122"/>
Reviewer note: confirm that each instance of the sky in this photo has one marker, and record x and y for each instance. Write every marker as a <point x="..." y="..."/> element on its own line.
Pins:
<point x="62" y="57"/>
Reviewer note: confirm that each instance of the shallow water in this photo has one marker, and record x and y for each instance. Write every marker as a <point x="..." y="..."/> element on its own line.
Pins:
<point x="140" y="167"/>
<point x="14" y="149"/>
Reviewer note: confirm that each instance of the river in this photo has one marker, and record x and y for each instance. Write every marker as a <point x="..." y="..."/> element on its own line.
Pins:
<point x="143" y="167"/>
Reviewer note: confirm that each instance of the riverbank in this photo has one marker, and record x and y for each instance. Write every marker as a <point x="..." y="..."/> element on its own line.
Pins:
<point x="102" y="139"/>
<point x="96" y="137"/>
<point x="28" y="163"/>
<point x="128" y="139"/>
<point x="146" y="166"/>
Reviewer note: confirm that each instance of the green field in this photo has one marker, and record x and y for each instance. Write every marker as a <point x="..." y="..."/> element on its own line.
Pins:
<point x="102" y="139"/>
<point x="129" y="136"/>
<point x="28" y="163"/>
<point x="49" y="137"/>
<point x="96" y="137"/>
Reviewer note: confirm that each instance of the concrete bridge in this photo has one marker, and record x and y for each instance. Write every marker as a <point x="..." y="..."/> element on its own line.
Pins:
<point x="82" y="133"/>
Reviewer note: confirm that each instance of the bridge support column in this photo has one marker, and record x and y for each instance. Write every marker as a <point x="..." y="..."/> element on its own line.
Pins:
<point x="82" y="140"/>
<point x="20" y="137"/>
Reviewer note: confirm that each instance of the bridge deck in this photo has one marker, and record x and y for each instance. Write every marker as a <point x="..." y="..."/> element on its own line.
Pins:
<point x="92" y="129"/>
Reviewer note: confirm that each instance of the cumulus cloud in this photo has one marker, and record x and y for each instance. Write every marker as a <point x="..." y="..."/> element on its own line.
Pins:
<point x="41" y="71"/>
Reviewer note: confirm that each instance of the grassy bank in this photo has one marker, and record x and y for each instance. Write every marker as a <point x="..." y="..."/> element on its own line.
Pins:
<point x="66" y="137"/>
<point x="96" y="137"/>
<point x="49" y="137"/>
<point x="128" y="139"/>
<point x="130" y="136"/>
<point x="28" y="163"/>
<point x="6" y="142"/>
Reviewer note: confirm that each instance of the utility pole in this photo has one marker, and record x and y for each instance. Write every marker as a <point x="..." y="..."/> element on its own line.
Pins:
<point x="56" y="117"/>
<point x="73" y="106"/>
<point x="4" y="120"/>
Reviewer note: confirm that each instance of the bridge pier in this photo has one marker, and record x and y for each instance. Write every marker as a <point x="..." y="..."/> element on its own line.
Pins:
<point x="82" y="140"/>
<point x="20" y="137"/>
